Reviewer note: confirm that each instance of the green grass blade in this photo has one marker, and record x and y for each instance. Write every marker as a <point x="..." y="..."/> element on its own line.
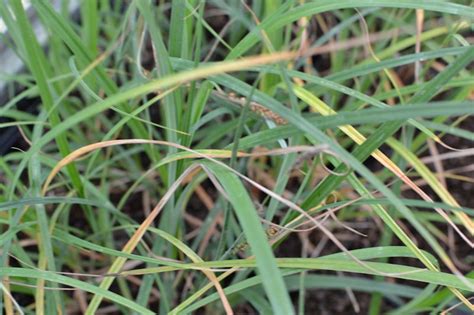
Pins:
<point x="250" y="222"/>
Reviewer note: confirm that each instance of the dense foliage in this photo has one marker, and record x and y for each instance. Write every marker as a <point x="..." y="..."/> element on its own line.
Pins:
<point x="228" y="156"/>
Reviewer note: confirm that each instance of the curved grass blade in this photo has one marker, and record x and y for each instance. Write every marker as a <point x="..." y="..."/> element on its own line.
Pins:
<point x="250" y="222"/>
<point x="81" y="285"/>
<point x="276" y="21"/>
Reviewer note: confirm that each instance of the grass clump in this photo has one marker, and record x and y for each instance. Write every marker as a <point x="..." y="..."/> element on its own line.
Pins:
<point x="220" y="156"/>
